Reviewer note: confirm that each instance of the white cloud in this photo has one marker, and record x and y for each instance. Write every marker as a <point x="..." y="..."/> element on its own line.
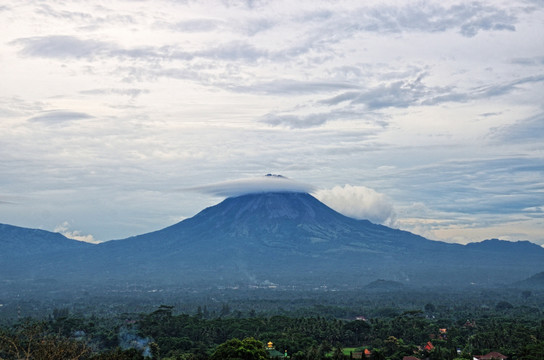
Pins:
<point x="359" y="202"/>
<point x="268" y="183"/>
<point x="64" y="229"/>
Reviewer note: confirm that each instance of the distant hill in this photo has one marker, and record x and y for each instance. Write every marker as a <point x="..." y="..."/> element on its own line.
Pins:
<point x="511" y="249"/>
<point x="24" y="251"/>
<point x="534" y="282"/>
<point x="24" y="241"/>
<point x="283" y="237"/>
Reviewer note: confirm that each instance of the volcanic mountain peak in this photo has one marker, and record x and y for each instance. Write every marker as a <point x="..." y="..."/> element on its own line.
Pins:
<point x="281" y="213"/>
<point x="291" y="205"/>
<point x="285" y="237"/>
<point x="275" y="205"/>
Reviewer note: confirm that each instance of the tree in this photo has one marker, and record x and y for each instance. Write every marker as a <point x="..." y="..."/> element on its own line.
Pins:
<point x="164" y="311"/>
<point x="526" y="294"/>
<point x="119" y="354"/>
<point x="247" y="349"/>
<point x="338" y="354"/>
<point x="430" y="308"/>
<point x="31" y="341"/>
<point x="533" y="351"/>
<point x="154" y="349"/>
<point x="503" y="305"/>
<point x="225" y="310"/>
<point x="378" y="355"/>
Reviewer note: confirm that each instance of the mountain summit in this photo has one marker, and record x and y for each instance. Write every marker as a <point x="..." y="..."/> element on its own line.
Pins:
<point x="292" y="238"/>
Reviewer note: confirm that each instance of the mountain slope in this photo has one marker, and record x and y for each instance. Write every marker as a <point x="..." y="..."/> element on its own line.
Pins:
<point x="270" y="235"/>
<point x="291" y="238"/>
<point x="26" y="250"/>
<point x="294" y="221"/>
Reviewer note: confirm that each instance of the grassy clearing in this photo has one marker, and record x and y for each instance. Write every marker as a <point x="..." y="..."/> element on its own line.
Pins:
<point x="346" y="351"/>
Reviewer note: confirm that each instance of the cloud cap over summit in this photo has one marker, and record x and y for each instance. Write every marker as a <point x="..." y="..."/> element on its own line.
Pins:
<point x="255" y="185"/>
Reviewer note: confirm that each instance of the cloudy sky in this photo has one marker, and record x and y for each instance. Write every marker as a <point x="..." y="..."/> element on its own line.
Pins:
<point x="427" y="116"/>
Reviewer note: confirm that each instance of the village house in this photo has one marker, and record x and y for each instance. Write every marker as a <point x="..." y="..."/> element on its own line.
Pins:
<point x="361" y="354"/>
<point x="491" y="356"/>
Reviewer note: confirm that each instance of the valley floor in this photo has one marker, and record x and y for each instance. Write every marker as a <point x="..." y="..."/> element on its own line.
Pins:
<point x="135" y="322"/>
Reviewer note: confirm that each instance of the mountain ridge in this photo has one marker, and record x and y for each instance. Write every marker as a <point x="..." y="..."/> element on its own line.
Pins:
<point x="287" y="237"/>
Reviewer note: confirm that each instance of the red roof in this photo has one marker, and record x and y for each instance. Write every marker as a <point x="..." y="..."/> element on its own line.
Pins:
<point x="429" y="346"/>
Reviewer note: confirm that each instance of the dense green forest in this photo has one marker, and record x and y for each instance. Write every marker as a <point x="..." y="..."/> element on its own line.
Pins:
<point x="225" y="324"/>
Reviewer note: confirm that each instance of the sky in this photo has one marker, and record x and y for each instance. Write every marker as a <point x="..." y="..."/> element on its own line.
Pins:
<point x="118" y="117"/>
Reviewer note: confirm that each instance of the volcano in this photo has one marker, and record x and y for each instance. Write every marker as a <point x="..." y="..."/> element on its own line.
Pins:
<point x="291" y="238"/>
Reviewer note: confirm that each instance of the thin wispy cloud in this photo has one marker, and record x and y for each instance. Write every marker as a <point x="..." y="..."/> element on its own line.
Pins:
<point x="59" y="116"/>
<point x="521" y="131"/>
<point x="197" y="25"/>
<point x="61" y="47"/>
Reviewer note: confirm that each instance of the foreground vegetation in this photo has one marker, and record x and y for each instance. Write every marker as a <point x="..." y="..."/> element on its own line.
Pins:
<point x="389" y="325"/>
